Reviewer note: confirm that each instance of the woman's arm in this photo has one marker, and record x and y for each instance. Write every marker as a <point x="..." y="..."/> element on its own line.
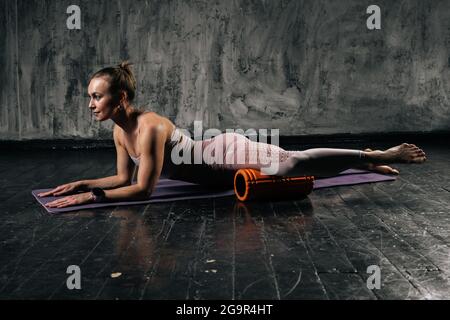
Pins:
<point x="122" y="178"/>
<point x="124" y="169"/>
<point x="151" y="143"/>
<point x="104" y="183"/>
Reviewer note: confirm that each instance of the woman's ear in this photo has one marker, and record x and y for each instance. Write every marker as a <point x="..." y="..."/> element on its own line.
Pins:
<point x="123" y="96"/>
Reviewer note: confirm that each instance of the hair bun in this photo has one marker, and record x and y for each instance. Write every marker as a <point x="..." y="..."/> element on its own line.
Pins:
<point x="125" y="65"/>
<point x="120" y="78"/>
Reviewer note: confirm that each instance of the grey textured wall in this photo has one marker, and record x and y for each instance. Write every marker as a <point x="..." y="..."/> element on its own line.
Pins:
<point x="306" y="67"/>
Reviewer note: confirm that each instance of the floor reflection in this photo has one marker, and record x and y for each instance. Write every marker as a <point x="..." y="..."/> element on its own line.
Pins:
<point x="154" y="258"/>
<point x="135" y="243"/>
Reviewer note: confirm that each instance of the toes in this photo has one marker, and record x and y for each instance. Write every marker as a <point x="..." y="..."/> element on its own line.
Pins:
<point x="419" y="159"/>
<point x="410" y="145"/>
<point x="386" y="170"/>
<point x="419" y="153"/>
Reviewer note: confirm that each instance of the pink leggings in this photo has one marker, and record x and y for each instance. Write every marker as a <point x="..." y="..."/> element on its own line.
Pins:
<point x="229" y="152"/>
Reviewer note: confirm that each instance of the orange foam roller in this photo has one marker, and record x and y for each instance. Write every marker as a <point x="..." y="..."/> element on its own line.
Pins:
<point x="250" y="184"/>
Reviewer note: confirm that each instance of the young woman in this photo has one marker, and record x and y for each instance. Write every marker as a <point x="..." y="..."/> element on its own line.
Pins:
<point x="147" y="142"/>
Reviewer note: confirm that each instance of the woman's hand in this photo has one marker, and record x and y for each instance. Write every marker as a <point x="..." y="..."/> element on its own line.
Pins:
<point x="76" y="199"/>
<point x="63" y="189"/>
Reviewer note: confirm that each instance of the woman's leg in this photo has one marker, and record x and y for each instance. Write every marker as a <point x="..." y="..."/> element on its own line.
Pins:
<point x="328" y="162"/>
<point x="231" y="151"/>
<point x="378" y="168"/>
<point x="320" y="162"/>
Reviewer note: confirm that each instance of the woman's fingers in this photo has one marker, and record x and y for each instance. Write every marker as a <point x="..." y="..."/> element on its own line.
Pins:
<point x="58" y="191"/>
<point x="58" y="202"/>
<point x="63" y="202"/>
<point x="51" y="192"/>
<point x="47" y="193"/>
<point x="70" y="200"/>
<point x="62" y="190"/>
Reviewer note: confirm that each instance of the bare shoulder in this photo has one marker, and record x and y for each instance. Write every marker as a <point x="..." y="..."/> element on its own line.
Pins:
<point x="153" y="123"/>
<point x="117" y="134"/>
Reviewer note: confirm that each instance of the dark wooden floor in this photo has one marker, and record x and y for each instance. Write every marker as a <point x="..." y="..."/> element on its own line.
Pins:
<point x="317" y="248"/>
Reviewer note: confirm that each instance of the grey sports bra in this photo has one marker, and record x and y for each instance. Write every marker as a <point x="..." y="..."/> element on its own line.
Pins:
<point x="178" y="141"/>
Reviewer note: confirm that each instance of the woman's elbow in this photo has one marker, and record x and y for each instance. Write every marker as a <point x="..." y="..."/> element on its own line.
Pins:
<point x="123" y="181"/>
<point x="144" y="193"/>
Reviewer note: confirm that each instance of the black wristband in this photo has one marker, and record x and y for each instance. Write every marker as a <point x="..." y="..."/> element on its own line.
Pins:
<point x="98" y="194"/>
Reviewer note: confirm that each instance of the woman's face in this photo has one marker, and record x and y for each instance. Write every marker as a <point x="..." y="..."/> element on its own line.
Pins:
<point x="101" y="101"/>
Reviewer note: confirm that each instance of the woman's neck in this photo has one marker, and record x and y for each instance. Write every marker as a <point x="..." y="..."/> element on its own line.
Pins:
<point x="126" y="118"/>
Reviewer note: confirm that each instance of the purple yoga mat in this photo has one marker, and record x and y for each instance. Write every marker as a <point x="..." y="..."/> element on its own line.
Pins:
<point x="173" y="190"/>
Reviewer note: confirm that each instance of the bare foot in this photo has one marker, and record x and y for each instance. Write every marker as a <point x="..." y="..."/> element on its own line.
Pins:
<point x="381" y="168"/>
<point x="403" y="153"/>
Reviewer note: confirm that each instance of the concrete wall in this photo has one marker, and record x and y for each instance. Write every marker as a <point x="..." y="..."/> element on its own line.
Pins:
<point x="306" y="67"/>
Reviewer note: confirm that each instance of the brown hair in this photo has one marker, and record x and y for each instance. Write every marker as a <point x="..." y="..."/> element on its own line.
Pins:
<point x="120" y="78"/>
